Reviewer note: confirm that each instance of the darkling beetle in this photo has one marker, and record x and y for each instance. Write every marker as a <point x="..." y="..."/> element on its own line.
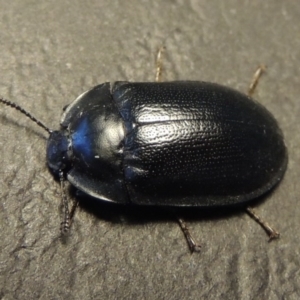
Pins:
<point x="181" y="143"/>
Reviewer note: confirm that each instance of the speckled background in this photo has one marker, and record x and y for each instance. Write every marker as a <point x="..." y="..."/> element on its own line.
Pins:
<point x="52" y="51"/>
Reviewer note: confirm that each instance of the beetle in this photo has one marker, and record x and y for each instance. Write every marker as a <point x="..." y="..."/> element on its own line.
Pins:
<point x="182" y="143"/>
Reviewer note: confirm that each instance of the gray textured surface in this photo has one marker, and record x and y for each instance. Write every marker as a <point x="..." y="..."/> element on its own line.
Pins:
<point x="50" y="52"/>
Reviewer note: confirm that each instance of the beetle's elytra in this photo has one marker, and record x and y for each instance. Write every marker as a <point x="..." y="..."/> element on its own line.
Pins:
<point x="170" y="143"/>
<point x="182" y="143"/>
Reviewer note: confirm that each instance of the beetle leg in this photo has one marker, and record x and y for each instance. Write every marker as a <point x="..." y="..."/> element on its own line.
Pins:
<point x="273" y="234"/>
<point x="194" y="247"/>
<point x="259" y="71"/>
<point x="158" y="63"/>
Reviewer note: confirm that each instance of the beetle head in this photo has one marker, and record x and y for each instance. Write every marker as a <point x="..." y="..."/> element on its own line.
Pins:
<point x="58" y="157"/>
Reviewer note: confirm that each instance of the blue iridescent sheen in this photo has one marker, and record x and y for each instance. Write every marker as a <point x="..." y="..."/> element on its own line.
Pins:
<point x="81" y="139"/>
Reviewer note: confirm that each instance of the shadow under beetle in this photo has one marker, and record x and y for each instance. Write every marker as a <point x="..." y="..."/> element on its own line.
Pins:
<point x="182" y="143"/>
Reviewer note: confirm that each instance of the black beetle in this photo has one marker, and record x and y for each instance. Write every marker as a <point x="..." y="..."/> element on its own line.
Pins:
<point x="169" y="143"/>
<point x="182" y="143"/>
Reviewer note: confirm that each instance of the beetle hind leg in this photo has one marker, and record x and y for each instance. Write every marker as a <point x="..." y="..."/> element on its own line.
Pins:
<point x="259" y="71"/>
<point x="272" y="233"/>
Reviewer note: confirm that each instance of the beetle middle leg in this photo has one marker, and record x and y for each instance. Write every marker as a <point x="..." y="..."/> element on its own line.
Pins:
<point x="272" y="233"/>
<point x="259" y="71"/>
<point x="194" y="247"/>
<point x="158" y="63"/>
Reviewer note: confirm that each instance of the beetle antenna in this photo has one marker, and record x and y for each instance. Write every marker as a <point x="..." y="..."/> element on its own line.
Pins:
<point x="24" y="112"/>
<point x="65" y="224"/>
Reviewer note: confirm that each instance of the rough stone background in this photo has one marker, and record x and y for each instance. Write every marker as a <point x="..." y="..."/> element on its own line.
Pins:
<point x="50" y="52"/>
